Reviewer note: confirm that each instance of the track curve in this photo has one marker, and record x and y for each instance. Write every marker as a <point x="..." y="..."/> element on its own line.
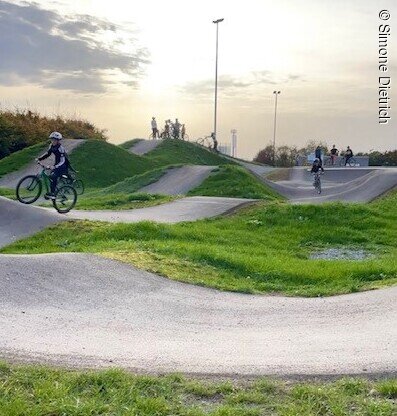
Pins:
<point x="83" y="310"/>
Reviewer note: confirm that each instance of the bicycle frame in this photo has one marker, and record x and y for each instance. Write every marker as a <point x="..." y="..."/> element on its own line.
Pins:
<point x="44" y="178"/>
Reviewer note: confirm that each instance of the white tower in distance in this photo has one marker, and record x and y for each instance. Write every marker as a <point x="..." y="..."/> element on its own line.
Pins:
<point x="234" y="142"/>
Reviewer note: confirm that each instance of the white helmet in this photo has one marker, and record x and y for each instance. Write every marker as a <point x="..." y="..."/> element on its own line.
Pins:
<point x="55" y="135"/>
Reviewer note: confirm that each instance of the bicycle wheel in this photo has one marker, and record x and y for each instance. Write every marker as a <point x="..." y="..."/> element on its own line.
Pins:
<point x="352" y="162"/>
<point x="65" y="199"/>
<point x="318" y="186"/>
<point x="29" y="189"/>
<point x="79" y="186"/>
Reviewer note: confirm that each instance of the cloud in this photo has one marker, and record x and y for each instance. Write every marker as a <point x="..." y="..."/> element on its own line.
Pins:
<point x="65" y="52"/>
<point x="232" y="85"/>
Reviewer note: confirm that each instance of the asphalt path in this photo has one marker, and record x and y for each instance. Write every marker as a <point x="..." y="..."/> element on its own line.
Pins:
<point x="144" y="146"/>
<point x="86" y="311"/>
<point x="338" y="184"/>
<point x="11" y="179"/>
<point x="18" y="220"/>
<point x="179" y="181"/>
<point x="184" y="209"/>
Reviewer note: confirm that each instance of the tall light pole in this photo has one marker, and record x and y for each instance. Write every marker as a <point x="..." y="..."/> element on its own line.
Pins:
<point x="276" y="93"/>
<point x="216" y="74"/>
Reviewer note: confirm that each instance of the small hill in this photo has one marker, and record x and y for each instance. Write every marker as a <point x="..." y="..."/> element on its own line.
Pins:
<point x="20" y="159"/>
<point x="174" y="152"/>
<point x="101" y="164"/>
<point x="234" y="182"/>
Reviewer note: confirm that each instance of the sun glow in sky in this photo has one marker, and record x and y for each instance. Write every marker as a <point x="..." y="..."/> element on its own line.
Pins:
<point x="321" y="54"/>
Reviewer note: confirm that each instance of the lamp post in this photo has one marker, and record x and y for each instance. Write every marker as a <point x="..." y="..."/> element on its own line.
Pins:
<point x="216" y="75"/>
<point x="276" y="93"/>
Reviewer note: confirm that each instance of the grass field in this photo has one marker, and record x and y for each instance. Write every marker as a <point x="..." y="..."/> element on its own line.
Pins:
<point x="235" y="182"/>
<point x="33" y="391"/>
<point x="262" y="249"/>
<point x="20" y="159"/>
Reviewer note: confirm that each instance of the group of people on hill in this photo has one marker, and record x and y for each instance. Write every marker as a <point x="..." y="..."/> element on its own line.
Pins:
<point x="171" y="130"/>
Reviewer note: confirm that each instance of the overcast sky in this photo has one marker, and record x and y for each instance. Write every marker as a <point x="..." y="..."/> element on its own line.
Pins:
<point x="118" y="63"/>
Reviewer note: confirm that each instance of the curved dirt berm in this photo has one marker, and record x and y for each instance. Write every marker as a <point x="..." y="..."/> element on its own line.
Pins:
<point x="83" y="310"/>
<point x="144" y="146"/>
<point x="18" y="220"/>
<point x="338" y="184"/>
<point x="11" y="179"/>
<point x="179" y="181"/>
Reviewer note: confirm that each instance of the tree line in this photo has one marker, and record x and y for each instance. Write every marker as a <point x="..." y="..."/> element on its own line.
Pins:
<point x="20" y="129"/>
<point x="286" y="156"/>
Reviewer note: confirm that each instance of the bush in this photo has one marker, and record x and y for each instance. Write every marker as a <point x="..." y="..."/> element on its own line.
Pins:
<point x="19" y="129"/>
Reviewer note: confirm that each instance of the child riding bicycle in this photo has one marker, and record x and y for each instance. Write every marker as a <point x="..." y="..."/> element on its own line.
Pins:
<point x="61" y="161"/>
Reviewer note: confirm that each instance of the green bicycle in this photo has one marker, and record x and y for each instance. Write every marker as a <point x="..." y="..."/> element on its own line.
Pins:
<point x="30" y="187"/>
<point x="71" y="179"/>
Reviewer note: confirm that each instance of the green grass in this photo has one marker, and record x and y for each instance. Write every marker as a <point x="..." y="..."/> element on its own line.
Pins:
<point x="33" y="391"/>
<point x="236" y="182"/>
<point x="173" y="152"/>
<point x="20" y="159"/>
<point x="121" y="201"/>
<point x="262" y="249"/>
<point x="101" y="164"/>
<point x="124" y="194"/>
<point x="8" y="193"/>
<point x="128" y="144"/>
<point x="132" y="184"/>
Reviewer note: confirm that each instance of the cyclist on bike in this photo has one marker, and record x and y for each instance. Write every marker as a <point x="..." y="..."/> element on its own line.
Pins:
<point x="61" y="161"/>
<point x="317" y="165"/>
<point x="348" y="155"/>
<point x="334" y="154"/>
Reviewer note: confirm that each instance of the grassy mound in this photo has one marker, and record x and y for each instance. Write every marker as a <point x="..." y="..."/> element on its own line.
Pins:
<point x="101" y="164"/>
<point x="262" y="249"/>
<point x="174" y="152"/>
<point x="123" y="195"/>
<point x="235" y="182"/>
<point x="20" y="159"/>
<point x="33" y="390"/>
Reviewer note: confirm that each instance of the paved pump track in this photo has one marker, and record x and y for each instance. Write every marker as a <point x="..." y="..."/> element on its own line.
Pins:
<point x="179" y="181"/>
<point x="86" y="311"/>
<point x="144" y="146"/>
<point x="83" y="310"/>
<point x="339" y="184"/>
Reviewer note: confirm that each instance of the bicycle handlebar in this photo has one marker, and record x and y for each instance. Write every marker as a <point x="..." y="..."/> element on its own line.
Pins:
<point x="43" y="166"/>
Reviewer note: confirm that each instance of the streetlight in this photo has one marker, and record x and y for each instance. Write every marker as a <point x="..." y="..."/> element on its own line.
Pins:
<point x="276" y="93"/>
<point x="216" y="74"/>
